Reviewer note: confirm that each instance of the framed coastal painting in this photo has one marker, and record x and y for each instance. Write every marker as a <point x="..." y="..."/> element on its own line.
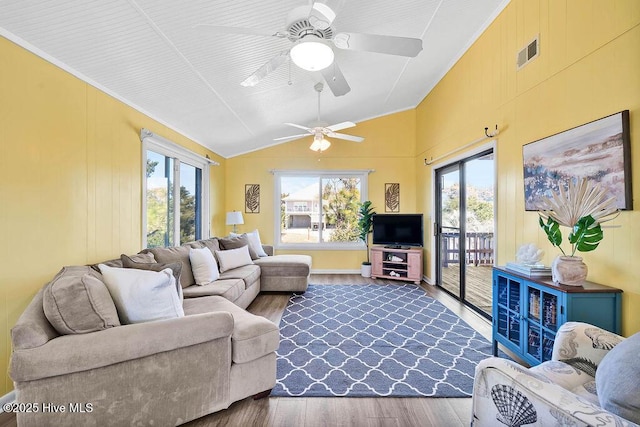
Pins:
<point x="598" y="151"/>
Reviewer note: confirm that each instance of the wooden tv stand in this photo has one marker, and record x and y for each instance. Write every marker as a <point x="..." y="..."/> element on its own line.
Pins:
<point x="396" y="263"/>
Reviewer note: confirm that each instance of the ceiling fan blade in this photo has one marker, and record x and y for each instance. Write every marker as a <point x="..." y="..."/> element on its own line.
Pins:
<point x="220" y="29"/>
<point x="300" y="127"/>
<point x="269" y="67"/>
<point x="323" y="13"/>
<point x="292" y="137"/>
<point x="340" y="126"/>
<point x="335" y="79"/>
<point x="345" y="136"/>
<point x="391" y="45"/>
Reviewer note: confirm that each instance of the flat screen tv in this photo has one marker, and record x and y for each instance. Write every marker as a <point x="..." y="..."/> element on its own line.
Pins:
<point x="397" y="230"/>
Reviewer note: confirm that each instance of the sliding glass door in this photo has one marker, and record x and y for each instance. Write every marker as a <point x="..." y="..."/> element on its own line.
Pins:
<point x="465" y="229"/>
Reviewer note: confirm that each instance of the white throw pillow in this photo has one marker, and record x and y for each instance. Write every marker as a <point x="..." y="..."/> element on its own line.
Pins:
<point x="141" y="295"/>
<point x="254" y="242"/>
<point x="233" y="258"/>
<point x="203" y="265"/>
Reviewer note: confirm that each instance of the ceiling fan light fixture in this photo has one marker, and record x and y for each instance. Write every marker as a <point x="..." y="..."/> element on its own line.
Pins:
<point x="319" y="144"/>
<point x="312" y="54"/>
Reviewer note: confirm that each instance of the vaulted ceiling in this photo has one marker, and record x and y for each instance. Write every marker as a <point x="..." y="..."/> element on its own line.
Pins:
<point x="153" y="55"/>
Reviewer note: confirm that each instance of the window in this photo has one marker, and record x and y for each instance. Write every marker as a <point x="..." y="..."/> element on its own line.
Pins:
<point x="170" y="170"/>
<point x="319" y="209"/>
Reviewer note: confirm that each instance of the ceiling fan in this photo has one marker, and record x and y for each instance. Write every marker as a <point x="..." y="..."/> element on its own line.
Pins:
<point x="320" y="129"/>
<point x="309" y="29"/>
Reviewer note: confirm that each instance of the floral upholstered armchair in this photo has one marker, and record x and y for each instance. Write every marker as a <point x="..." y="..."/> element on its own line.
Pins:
<point x="593" y="379"/>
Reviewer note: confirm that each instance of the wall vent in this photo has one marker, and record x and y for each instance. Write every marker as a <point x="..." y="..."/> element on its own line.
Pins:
<point x="528" y="53"/>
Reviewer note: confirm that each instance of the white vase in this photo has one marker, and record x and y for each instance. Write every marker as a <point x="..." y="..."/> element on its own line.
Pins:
<point x="365" y="270"/>
<point x="569" y="270"/>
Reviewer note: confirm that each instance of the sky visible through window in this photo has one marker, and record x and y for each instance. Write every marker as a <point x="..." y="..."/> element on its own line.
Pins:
<point x="480" y="172"/>
<point x="290" y="185"/>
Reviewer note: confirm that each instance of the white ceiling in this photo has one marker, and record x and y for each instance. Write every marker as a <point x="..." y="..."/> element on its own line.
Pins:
<point x="148" y="54"/>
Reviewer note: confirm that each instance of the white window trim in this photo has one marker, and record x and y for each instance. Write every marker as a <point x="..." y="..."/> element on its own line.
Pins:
<point x="160" y="145"/>
<point x="364" y="194"/>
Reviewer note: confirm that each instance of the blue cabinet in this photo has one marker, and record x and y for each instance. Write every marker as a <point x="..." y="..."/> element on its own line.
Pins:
<point x="527" y="312"/>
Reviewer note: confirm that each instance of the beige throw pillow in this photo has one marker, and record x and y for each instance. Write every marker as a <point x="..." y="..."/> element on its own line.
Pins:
<point x="76" y="301"/>
<point x="204" y="266"/>
<point x="142" y="296"/>
<point x="175" y="254"/>
<point x="237" y="241"/>
<point x="233" y="258"/>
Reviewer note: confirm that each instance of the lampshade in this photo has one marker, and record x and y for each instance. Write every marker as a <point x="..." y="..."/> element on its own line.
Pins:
<point x="234" y="218"/>
<point x="311" y="54"/>
<point x="320" y="144"/>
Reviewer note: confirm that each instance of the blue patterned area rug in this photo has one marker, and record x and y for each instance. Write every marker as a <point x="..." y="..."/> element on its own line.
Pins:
<point x="375" y="340"/>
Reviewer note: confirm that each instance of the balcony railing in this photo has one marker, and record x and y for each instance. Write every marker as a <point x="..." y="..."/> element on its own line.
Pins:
<point x="479" y="247"/>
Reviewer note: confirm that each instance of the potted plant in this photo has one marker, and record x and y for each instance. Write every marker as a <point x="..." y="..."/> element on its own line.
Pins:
<point x="365" y="226"/>
<point x="582" y="208"/>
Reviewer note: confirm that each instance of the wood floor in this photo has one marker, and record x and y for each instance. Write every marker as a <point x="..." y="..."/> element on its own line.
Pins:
<point x="478" y="287"/>
<point x="341" y="411"/>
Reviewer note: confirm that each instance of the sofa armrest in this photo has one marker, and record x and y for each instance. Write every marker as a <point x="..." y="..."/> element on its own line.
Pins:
<point x="268" y="249"/>
<point x="583" y="345"/>
<point x="504" y="389"/>
<point x="76" y="353"/>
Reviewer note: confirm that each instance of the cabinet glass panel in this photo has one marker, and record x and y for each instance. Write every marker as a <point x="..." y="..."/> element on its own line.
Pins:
<point x="533" y="342"/>
<point x="549" y="311"/>
<point x="503" y="319"/>
<point x="534" y="304"/>
<point x="547" y="346"/>
<point x="514" y="328"/>
<point x="514" y="295"/>
<point x="502" y="291"/>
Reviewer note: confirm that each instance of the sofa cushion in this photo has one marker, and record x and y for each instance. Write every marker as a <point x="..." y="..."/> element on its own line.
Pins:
<point x="142" y="295"/>
<point x="233" y="258"/>
<point x="175" y="254"/>
<point x="230" y="289"/>
<point x="76" y="301"/>
<point x="618" y="379"/>
<point x="285" y="265"/>
<point x="176" y="268"/>
<point x="250" y="274"/>
<point x="253" y="336"/>
<point x="204" y="266"/>
<point x="238" y="241"/>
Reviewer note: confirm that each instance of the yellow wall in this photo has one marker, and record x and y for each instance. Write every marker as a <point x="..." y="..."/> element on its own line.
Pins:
<point x="388" y="148"/>
<point x="589" y="67"/>
<point x="70" y="179"/>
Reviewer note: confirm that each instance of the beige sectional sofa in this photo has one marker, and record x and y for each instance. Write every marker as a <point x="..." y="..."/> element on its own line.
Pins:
<point x="162" y="372"/>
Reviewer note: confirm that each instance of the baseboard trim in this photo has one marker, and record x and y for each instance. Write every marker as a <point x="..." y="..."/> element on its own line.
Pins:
<point x="321" y="271"/>
<point x="428" y="281"/>
<point x="7" y="398"/>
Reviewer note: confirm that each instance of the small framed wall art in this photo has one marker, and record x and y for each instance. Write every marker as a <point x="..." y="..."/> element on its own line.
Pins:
<point x="252" y="198"/>
<point x="392" y="197"/>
